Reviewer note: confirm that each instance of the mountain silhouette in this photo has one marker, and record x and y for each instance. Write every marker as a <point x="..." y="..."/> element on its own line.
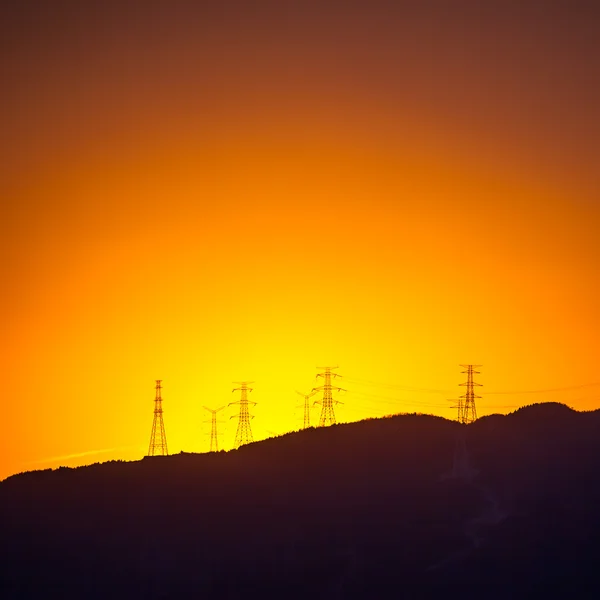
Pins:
<point x="409" y="506"/>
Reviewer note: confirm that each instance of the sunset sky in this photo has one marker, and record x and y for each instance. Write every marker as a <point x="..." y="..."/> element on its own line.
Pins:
<point x="211" y="192"/>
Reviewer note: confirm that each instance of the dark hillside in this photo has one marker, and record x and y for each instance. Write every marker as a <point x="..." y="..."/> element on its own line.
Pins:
<point x="406" y="507"/>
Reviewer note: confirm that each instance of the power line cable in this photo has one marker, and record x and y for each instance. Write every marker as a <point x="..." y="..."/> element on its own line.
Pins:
<point x="390" y="400"/>
<point x="543" y="391"/>
<point x="396" y="386"/>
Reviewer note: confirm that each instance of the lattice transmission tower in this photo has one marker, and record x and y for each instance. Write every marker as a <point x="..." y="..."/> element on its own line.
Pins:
<point x="243" y="435"/>
<point x="306" y="407"/>
<point x="214" y="441"/>
<point x="467" y="412"/>
<point x="158" y="438"/>
<point x="327" y="403"/>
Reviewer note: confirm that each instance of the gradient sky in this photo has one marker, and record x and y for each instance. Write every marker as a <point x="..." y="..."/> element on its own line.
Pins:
<point x="209" y="192"/>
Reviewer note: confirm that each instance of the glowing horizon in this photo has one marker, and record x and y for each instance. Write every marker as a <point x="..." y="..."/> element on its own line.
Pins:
<point x="205" y="195"/>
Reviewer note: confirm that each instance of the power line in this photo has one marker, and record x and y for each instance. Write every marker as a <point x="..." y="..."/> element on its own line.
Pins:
<point x="369" y="409"/>
<point x="404" y="388"/>
<point x="385" y="405"/>
<point x="543" y="391"/>
<point x="391" y="400"/>
<point x="440" y="391"/>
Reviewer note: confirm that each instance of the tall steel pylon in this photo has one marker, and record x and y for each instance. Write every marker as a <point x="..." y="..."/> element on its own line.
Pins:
<point x="158" y="439"/>
<point x="467" y="412"/>
<point x="327" y="413"/>
<point x="243" y="435"/>
<point x="306" y="407"/>
<point x="214" y="442"/>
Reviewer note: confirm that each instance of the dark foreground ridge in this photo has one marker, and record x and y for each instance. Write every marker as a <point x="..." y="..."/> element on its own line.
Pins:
<point x="410" y="506"/>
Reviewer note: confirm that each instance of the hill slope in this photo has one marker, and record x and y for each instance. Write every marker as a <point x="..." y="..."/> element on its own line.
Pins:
<point x="405" y="507"/>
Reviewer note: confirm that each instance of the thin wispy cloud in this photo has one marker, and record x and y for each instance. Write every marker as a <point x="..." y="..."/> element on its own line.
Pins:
<point x="78" y="455"/>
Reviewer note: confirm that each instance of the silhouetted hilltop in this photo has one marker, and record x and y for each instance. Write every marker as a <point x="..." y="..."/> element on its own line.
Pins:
<point x="410" y="506"/>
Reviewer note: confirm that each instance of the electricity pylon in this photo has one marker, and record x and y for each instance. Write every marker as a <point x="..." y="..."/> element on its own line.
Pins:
<point x="306" y="407"/>
<point x="158" y="439"/>
<point x="327" y="412"/>
<point x="214" y="443"/>
<point x="467" y="412"/>
<point x="243" y="435"/>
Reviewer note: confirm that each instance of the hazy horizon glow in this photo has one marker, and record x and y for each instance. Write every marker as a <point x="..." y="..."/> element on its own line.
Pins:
<point x="206" y="195"/>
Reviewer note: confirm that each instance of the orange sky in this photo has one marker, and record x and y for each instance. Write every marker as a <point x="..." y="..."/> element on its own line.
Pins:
<point x="205" y="196"/>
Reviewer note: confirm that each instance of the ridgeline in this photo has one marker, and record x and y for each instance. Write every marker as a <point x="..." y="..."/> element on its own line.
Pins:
<point x="410" y="506"/>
